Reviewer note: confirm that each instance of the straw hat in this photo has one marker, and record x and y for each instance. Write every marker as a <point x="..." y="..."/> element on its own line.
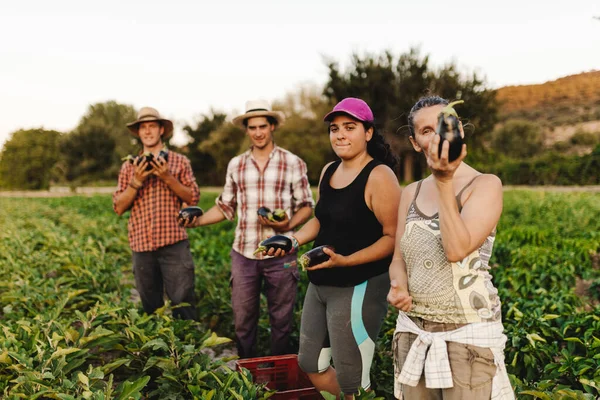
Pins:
<point x="147" y="114"/>
<point x="259" y="108"/>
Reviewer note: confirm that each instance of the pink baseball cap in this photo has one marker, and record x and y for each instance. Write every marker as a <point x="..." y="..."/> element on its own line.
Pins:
<point x="354" y="107"/>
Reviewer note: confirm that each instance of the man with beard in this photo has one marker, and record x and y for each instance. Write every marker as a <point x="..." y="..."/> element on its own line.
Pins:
<point x="154" y="190"/>
<point x="264" y="176"/>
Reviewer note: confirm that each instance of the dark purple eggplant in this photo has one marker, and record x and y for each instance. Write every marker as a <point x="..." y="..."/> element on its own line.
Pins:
<point x="149" y="157"/>
<point x="276" y="215"/>
<point x="314" y="257"/>
<point x="189" y="212"/>
<point x="164" y="154"/>
<point x="448" y="129"/>
<point x="275" y="242"/>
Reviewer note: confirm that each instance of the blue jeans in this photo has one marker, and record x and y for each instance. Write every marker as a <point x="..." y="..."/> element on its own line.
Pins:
<point x="170" y="270"/>
<point x="280" y="277"/>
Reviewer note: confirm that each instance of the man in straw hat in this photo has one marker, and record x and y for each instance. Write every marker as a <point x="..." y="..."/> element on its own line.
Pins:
<point x="154" y="190"/>
<point x="264" y="176"/>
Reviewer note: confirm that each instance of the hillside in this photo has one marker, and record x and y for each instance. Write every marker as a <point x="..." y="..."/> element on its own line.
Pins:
<point x="566" y="101"/>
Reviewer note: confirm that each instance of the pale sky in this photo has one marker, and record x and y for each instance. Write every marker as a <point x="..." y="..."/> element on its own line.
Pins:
<point x="184" y="57"/>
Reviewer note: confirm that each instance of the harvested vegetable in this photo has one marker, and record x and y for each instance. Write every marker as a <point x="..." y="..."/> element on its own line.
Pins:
<point x="314" y="257"/>
<point x="276" y="215"/>
<point x="448" y="129"/>
<point x="190" y="212"/>
<point x="148" y="156"/>
<point x="275" y="242"/>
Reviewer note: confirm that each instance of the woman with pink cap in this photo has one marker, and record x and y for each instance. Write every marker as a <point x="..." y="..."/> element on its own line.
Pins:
<point x="356" y="214"/>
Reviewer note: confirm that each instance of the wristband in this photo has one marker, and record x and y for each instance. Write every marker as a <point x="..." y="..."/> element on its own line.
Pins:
<point x="295" y="245"/>
<point x="133" y="186"/>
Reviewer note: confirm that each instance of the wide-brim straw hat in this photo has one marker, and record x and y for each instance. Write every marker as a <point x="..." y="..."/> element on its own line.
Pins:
<point x="148" y="114"/>
<point x="259" y="108"/>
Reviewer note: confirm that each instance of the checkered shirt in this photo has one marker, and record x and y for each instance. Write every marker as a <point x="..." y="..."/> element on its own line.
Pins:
<point x="283" y="184"/>
<point x="429" y="352"/>
<point x="153" y="220"/>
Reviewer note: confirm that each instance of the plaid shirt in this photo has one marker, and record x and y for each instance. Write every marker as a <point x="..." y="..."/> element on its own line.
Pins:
<point x="283" y="184"/>
<point x="429" y="352"/>
<point x="153" y="220"/>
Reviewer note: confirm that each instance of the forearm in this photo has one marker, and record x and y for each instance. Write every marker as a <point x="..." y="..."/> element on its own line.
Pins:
<point x="124" y="200"/>
<point x="300" y="217"/>
<point x="378" y="250"/>
<point x="212" y="216"/>
<point x="398" y="273"/>
<point x="455" y="235"/>
<point x="185" y="193"/>
<point x="308" y="232"/>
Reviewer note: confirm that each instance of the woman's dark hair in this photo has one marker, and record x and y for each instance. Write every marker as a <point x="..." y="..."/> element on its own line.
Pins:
<point x="424" y="102"/>
<point x="379" y="148"/>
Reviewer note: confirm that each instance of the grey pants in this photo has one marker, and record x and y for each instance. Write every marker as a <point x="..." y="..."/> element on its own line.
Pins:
<point x="169" y="269"/>
<point x="279" y="276"/>
<point x="342" y="323"/>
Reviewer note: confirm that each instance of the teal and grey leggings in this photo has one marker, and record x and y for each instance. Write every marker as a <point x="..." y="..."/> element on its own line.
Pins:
<point x="342" y="323"/>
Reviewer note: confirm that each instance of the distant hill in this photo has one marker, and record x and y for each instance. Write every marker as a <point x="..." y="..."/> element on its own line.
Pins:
<point x="566" y="101"/>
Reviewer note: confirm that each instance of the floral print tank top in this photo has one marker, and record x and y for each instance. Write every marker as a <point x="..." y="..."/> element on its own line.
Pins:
<point x="443" y="291"/>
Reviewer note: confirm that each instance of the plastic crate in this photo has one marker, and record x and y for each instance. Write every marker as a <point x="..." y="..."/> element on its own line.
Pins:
<point x="281" y="373"/>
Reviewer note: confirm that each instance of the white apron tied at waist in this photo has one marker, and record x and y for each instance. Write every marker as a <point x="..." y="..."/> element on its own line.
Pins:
<point x="429" y="353"/>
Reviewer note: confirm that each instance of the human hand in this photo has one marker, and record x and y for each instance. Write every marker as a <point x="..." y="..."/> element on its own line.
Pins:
<point x="160" y="168"/>
<point x="399" y="297"/>
<point x="139" y="173"/>
<point x="335" y="260"/>
<point x="441" y="168"/>
<point x="277" y="226"/>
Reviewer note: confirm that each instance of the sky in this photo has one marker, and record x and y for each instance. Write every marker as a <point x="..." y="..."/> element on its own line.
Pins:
<point x="188" y="57"/>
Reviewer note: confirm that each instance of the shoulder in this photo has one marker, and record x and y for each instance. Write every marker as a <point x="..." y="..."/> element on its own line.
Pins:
<point x="488" y="182"/>
<point x="410" y="190"/>
<point x="237" y="160"/>
<point x="178" y="157"/>
<point x="289" y="156"/>
<point x="382" y="174"/>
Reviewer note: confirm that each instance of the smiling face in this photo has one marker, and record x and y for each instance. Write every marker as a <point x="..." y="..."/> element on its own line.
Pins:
<point x="348" y="136"/>
<point x="260" y="132"/>
<point x="150" y="133"/>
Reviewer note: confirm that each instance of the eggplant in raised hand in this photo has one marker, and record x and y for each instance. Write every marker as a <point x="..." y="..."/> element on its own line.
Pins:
<point x="314" y="257"/>
<point x="276" y="215"/>
<point x="275" y="242"/>
<point x="148" y="156"/>
<point x="189" y="212"/>
<point x="449" y="129"/>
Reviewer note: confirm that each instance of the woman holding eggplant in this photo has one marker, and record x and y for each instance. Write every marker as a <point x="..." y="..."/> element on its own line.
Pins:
<point x="440" y="278"/>
<point x="355" y="217"/>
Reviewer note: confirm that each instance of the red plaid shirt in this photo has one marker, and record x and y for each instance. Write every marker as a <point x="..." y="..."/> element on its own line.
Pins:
<point x="283" y="184"/>
<point x="153" y="220"/>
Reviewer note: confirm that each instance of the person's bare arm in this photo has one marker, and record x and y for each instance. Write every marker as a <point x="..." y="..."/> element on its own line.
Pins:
<point x="124" y="200"/>
<point x="398" y="295"/>
<point x="464" y="232"/>
<point x="212" y="216"/>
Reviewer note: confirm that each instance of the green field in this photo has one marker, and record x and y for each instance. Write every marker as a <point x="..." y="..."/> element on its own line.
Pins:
<point x="71" y="329"/>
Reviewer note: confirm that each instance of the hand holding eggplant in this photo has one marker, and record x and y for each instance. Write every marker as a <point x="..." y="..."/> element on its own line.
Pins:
<point x="278" y="245"/>
<point x="321" y="257"/>
<point x="398" y="297"/>
<point x="189" y="217"/>
<point x="277" y="219"/>
<point x="439" y="164"/>
<point x="160" y="168"/>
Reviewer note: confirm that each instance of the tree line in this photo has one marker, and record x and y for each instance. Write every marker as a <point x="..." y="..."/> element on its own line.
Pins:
<point x="389" y="83"/>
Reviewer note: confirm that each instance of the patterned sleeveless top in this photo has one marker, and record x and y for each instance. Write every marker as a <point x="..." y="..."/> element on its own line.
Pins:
<point x="443" y="291"/>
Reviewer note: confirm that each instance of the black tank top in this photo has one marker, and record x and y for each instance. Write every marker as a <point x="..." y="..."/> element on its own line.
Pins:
<point x="348" y="225"/>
